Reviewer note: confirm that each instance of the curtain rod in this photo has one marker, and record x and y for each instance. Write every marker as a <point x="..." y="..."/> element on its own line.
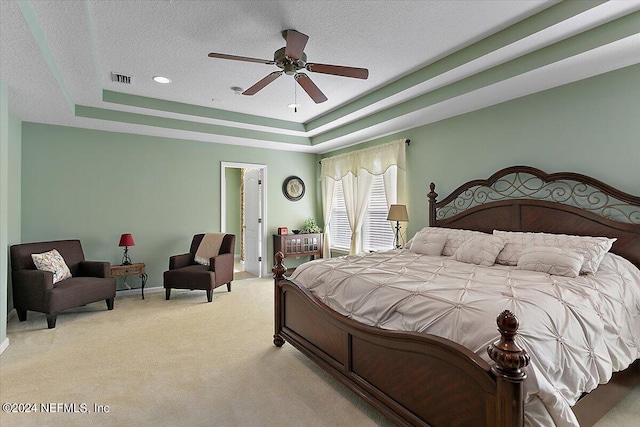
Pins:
<point x="406" y="141"/>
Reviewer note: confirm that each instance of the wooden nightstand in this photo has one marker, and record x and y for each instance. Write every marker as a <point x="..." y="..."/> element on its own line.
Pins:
<point x="130" y="270"/>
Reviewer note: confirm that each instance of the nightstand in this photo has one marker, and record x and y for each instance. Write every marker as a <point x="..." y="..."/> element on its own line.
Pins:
<point x="130" y="270"/>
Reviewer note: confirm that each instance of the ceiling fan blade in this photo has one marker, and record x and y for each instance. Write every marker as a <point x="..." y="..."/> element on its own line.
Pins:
<point x="262" y="83"/>
<point x="295" y="44"/>
<point x="339" y="70"/>
<point x="241" y="58"/>
<point x="310" y="87"/>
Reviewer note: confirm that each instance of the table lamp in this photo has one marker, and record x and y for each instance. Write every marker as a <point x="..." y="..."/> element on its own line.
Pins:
<point x="397" y="213"/>
<point x="126" y="240"/>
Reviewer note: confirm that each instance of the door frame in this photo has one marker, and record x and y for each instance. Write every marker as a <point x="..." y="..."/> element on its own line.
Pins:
<point x="263" y="211"/>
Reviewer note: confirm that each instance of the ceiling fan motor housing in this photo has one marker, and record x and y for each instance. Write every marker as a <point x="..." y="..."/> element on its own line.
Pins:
<point x="289" y="65"/>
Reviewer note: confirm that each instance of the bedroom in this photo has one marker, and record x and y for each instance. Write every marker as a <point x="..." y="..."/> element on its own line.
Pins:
<point x="587" y="126"/>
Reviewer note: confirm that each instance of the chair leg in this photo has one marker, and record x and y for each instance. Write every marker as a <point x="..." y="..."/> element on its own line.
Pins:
<point x="210" y="295"/>
<point x="229" y="287"/>
<point x="22" y="314"/>
<point x="167" y="293"/>
<point x="51" y="320"/>
<point x="109" y="303"/>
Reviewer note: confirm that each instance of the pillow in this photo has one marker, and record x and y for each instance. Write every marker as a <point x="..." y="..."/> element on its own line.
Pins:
<point x="52" y="261"/>
<point x="479" y="250"/>
<point x="592" y="248"/>
<point x="428" y="244"/>
<point x="455" y="237"/>
<point x="555" y="261"/>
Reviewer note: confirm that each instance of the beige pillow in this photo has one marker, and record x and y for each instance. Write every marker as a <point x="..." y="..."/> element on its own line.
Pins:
<point x="555" y="261"/>
<point x="480" y="250"/>
<point x="592" y="248"/>
<point x="455" y="237"/>
<point x="52" y="261"/>
<point x="428" y="244"/>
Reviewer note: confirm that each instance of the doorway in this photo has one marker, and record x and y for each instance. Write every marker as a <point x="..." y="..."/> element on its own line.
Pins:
<point x="243" y="213"/>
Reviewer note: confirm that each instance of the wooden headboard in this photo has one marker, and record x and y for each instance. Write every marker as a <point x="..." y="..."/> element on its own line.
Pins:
<point x="522" y="198"/>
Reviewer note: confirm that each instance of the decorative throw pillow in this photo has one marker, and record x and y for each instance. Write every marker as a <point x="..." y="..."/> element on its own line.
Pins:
<point x="555" y="261"/>
<point x="479" y="250"/>
<point x="592" y="248"/>
<point x="455" y="237"/>
<point x="52" y="261"/>
<point x="428" y="244"/>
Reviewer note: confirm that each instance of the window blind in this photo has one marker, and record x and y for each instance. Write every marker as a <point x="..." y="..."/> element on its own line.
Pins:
<point x="377" y="231"/>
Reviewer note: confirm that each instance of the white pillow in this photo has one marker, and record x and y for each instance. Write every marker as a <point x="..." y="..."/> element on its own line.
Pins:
<point x="455" y="237"/>
<point x="52" y="261"/>
<point x="592" y="248"/>
<point x="428" y="244"/>
<point x="555" y="261"/>
<point x="479" y="250"/>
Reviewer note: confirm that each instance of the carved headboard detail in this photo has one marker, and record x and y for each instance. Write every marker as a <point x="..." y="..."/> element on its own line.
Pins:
<point x="522" y="198"/>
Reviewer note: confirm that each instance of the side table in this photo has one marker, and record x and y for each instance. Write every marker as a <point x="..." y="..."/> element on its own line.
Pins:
<point x="130" y="270"/>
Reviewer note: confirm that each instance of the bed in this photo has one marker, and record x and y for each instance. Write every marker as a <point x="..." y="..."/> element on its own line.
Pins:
<point x="424" y="379"/>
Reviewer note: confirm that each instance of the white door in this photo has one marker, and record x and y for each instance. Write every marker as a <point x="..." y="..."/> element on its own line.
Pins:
<point x="253" y="222"/>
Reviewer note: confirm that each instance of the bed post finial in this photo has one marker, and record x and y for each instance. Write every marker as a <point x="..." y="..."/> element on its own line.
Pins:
<point x="279" y="269"/>
<point x="509" y="357"/>
<point x="432" y="204"/>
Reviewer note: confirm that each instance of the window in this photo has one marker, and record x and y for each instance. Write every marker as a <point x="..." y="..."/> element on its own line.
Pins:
<point x="375" y="176"/>
<point x="377" y="231"/>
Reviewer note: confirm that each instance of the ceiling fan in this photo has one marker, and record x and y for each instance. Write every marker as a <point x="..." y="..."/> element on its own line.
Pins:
<point x="291" y="59"/>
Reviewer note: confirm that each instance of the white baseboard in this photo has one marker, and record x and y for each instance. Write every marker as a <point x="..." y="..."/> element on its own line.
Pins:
<point x="4" y="345"/>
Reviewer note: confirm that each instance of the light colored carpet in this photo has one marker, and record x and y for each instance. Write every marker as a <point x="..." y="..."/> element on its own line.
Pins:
<point x="181" y="362"/>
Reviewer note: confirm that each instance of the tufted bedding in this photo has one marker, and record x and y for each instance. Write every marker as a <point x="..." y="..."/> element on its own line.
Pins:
<point x="577" y="330"/>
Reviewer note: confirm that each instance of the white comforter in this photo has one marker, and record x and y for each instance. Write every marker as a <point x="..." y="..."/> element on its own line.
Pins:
<point x="576" y="330"/>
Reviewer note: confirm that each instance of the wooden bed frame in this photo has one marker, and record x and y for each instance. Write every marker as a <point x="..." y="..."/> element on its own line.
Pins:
<point x="423" y="380"/>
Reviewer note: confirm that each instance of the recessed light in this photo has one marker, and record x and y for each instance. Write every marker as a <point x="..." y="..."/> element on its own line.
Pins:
<point x="161" y="79"/>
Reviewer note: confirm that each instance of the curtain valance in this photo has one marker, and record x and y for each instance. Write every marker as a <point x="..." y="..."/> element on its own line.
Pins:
<point x="375" y="160"/>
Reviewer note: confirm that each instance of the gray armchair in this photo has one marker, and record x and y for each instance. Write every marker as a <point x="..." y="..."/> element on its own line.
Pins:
<point x="185" y="273"/>
<point x="34" y="290"/>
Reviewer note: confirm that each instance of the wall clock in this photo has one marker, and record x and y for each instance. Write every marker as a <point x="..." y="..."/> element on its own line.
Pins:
<point x="293" y="188"/>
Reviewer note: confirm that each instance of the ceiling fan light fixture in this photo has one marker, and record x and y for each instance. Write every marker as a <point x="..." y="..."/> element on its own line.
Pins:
<point x="293" y="106"/>
<point x="162" y="79"/>
<point x="291" y="59"/>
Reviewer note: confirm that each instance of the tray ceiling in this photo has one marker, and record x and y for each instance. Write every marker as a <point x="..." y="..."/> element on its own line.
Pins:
<point x="427" y="60"/>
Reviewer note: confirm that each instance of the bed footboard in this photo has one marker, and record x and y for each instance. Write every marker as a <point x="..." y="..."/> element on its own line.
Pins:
<point x="413" y="379"/>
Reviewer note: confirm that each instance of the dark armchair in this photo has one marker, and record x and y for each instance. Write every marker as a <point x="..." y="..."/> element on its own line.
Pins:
<point x="34" y="290"/>
<point x="185" y="273"/>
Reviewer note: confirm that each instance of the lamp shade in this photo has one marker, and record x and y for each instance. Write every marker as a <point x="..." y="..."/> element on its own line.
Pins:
<point x="398" y="213"/>
<point x="126" y="240"/>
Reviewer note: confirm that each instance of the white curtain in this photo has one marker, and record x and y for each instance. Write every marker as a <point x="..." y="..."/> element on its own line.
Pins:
<point x="356" y="199"/>
<point x="328" y="188"/>
<point x="356" y="169"/>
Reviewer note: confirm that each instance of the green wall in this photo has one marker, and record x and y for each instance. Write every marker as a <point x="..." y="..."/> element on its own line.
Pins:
<point x="15" y="194"/>
<point x="95" y="185"/>
<point x="10" y="204"/>
<point x="590" y="127"/>
<point x="4" y="211"/>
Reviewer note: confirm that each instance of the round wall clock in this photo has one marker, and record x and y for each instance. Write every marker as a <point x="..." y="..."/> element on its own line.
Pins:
<point x="293" y="188"/>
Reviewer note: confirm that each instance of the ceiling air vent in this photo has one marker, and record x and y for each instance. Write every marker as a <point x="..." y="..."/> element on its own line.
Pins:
<point x="120" y="78"/>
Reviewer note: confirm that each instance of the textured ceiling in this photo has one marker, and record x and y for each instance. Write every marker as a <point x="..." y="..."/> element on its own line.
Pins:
<point x="427" y="61"/>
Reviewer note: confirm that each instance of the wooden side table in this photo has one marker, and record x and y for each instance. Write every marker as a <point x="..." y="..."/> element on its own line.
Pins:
<point x="130" y="270"/>
<point x="297" y="245"/>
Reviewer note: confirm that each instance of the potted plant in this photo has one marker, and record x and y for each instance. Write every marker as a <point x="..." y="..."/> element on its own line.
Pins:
<point x="310" y="226"/>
